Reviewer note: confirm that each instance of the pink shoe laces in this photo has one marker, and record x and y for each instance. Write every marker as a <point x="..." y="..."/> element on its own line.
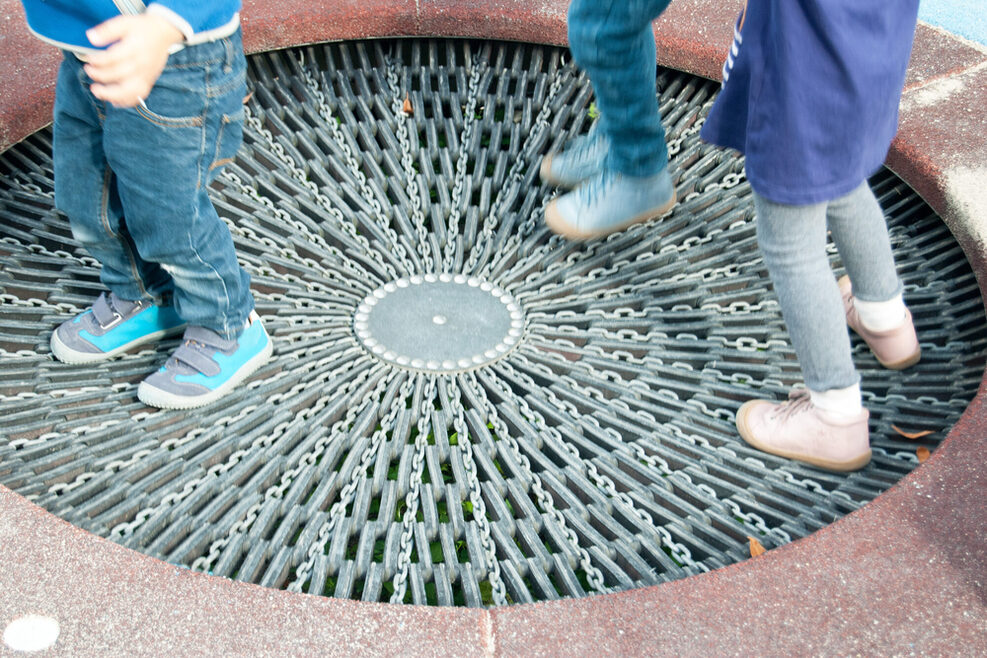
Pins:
<point x="799" y="401"/>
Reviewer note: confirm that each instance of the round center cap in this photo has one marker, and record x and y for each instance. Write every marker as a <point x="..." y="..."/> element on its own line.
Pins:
<point x="439" y="323"/>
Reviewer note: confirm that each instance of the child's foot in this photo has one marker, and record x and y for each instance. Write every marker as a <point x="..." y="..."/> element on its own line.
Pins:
<point x="797" y="429"/>
<point x="581" y="160"/>
<point x="112" y="326"/>
<point x="896" y="348"/>
<point x="608" y="203"/>
<point x="206" y="366"/>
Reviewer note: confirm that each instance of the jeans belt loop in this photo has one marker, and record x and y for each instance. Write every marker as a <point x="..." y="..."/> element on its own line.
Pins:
<point x="230" y="55"/>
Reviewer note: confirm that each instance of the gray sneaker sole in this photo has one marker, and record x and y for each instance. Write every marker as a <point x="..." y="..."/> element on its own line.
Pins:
<point x="66" y="354"/>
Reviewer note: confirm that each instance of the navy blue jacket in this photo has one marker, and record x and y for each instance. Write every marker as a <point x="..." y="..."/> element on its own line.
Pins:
<point x="811" y="91"/>
<point x="64" y="22"/>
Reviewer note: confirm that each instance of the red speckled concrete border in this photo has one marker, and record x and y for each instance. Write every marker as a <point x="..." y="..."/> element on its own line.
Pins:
<point x="907" y="574"/>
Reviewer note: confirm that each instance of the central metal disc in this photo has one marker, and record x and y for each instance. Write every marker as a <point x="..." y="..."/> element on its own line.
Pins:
<point x="439" y="323"/>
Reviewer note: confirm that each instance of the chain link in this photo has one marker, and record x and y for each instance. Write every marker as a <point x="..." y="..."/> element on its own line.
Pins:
<point x="338" y="509"/>
<point x="413" y="497"/>
<point x="679" y="551"/>
<point x="459" y="184"/>
<point x="476" y="495"/>
<point x="515" y="175"/>
<point x="325" y="111"/>
<point x="308" y="460"/>
<point x="401" y="120"/>
<point x="545" y="501"/>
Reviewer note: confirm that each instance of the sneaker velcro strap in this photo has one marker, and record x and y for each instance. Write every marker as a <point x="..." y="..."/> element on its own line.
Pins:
<point x="102" y="312"/>
<point x="195" y="356"/>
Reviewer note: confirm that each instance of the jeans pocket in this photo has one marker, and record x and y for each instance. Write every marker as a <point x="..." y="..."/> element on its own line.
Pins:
<point x="228" y="140"/>
<point x="177" y="99"/>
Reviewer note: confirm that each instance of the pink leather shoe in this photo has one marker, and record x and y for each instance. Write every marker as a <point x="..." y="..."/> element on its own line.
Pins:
<point x="895" y="349"/>
<point x="797" y="429"/>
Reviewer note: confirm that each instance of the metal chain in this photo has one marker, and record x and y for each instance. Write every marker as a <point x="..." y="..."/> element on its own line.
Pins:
<point x="515" y="174"/>
<point x="288" y="220"/>
<point x="606" y="484"/>
<point x="309" y="459"/>
<point x="476" y="495"/>
<point x="413" y="498"/>
<point x="22" y="182"/>
<point x="264" y="440"/>
<point x="368" y="194"/>
<point x="545" y="501"/>
<point x="338" y="509"/>
<point x="401" y="120"/>
<point x="459" y="184"/>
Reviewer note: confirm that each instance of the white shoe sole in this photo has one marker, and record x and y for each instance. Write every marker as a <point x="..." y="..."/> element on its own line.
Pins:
<point x="66" y="354"/>
<point x="155" y="397"/>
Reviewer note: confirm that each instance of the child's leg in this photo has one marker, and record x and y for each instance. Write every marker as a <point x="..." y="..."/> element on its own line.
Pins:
<point x="793" y="242"/>
<point x="874" y="305"/>
<point x="86" y="191"/>
<point x="164" y="155"/>
<point x="613" y="41"/>
<point x="825" y="426"/>
<point x="861" y="236"/>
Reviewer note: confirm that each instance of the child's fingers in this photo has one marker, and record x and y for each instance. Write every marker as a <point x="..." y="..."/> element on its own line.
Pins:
<point x="109" y="31"/>
<point x="108" y="74"/>
<point x="122" y="51"/>
<point x="126" y="94"/>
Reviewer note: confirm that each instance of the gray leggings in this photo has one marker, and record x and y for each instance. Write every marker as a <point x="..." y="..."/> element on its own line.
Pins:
<point x="793" y="242"/>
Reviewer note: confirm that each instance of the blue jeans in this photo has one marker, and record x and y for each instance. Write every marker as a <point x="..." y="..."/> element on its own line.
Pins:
<point x="134" y="181"/>
<point x="793" y="242"/>
<point x="613" y="41"/>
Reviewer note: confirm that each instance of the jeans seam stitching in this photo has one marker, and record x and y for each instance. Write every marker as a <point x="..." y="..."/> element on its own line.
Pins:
<point x="165" y="122"/>
<point x="200" y="188"/>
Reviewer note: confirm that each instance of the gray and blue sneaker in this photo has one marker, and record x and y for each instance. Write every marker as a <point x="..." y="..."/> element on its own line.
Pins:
<point x="610" y="202"/>
<point x="582" y="159"/>
<point x="206" y="366"/>
<point x="110" y="327"/>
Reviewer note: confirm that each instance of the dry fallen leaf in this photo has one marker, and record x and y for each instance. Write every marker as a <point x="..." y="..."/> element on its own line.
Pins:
<point x="923" y="454"/>
<point x="246" y="99"/>
<point x="756" y="547"/>
<point x="407" y="104"/>
<point x="911" y="435"/>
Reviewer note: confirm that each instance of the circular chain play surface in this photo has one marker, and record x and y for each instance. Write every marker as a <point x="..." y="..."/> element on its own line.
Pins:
<point x="579" y="436"/>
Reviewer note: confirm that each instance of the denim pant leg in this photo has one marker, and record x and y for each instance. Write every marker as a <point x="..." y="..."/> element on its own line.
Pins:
<point x="614" y="42"/>
<point x="164" y="153"/>
<point x="793" y="242"/>
<point x="86" y="190"/>
<point x="860" y="233"/>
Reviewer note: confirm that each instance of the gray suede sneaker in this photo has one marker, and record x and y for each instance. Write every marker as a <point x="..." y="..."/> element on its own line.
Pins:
<point x="110" y="327"/>
<point x="610" y="202"/>
<point x="582" y="159"/>
<point x="206" y="366"/>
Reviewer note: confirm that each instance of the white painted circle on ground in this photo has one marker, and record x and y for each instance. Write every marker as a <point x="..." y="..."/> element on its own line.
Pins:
<point x="31" y="633"/>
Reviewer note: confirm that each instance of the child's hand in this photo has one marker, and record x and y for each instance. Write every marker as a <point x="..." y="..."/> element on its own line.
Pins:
<point x="125" y="72"/>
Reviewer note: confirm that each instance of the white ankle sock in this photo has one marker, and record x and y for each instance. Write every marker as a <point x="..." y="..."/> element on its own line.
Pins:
<point x="838" y="401"/>
<point x="881" y="316"/>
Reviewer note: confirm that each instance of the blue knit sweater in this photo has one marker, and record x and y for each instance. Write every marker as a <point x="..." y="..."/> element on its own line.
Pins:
<point x="64" y="22"/>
